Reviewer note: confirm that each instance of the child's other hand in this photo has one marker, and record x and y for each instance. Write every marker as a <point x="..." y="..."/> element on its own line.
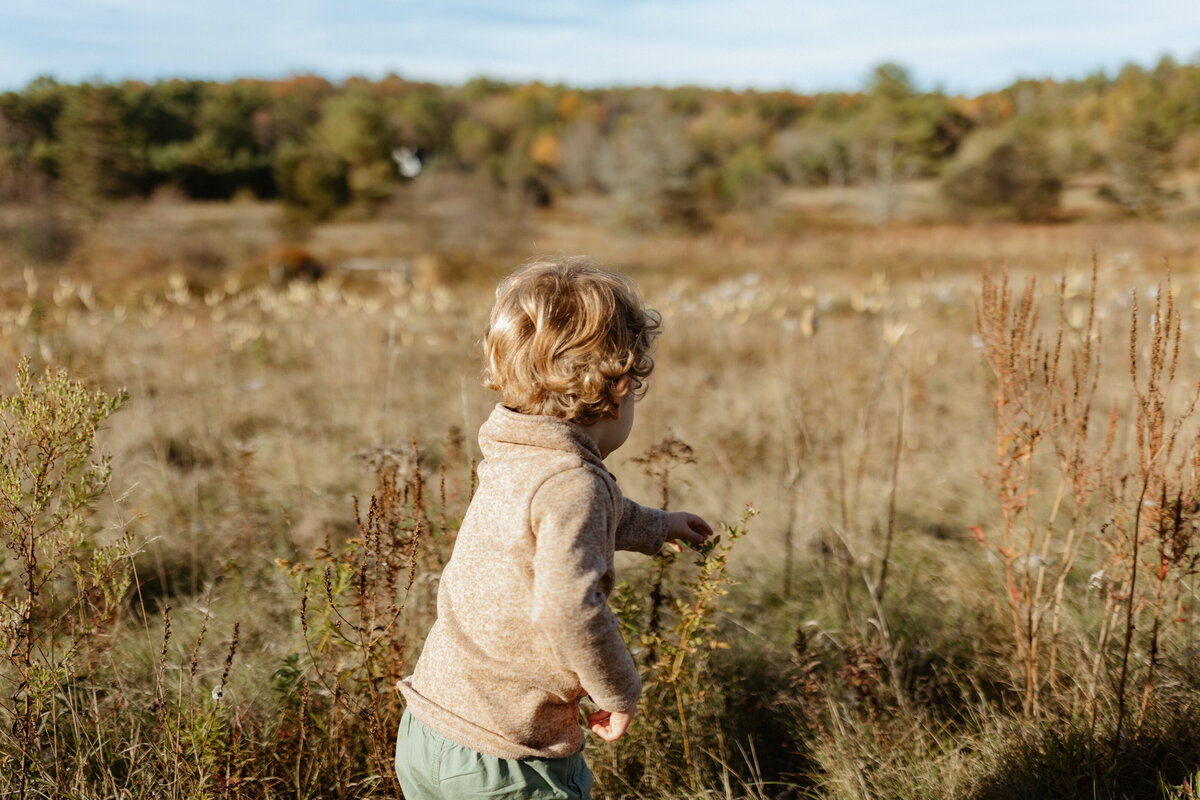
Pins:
<point x="682" y="526"/>
<point x="609" y="725"/>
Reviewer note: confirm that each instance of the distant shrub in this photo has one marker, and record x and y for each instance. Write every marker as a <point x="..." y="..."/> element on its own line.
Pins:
<point x="810" y="157"/>
<point x="1012" y="172"/>
<point x="651" y="171"/>
<point x="579" y="150"/>
<point x="312" y="179"/>
<point x="21" y="180"/>
<point x="1138" y="159"/>
<point x="205" y="170"/>
<point x="746" y="178"/>
<point x="46" y="238"/>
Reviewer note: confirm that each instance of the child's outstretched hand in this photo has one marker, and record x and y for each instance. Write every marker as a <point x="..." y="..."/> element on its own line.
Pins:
<point x="609" y="725"/>
<point x="685" y="527"/>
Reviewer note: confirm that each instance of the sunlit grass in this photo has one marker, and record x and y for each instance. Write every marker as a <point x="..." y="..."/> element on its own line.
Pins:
<point x="795" y="366"/>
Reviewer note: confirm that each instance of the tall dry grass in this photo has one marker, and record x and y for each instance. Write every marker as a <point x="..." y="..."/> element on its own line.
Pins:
<point x="858" y="641"/>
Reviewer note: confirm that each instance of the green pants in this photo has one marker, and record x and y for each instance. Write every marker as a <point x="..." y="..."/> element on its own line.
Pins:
<point x="432" y="767"/>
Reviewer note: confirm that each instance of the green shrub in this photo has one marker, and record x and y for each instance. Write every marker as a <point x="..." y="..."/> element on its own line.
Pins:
<point x="312" y="179"/>
<point x="746" y="178"/>
<point x="60" y="587"/>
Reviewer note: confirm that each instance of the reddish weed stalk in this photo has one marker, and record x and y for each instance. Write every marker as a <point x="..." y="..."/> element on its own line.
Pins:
<point x="1168" y="488"/>
<point x="1042" y="398"/>
<point x="1143" y="510"/>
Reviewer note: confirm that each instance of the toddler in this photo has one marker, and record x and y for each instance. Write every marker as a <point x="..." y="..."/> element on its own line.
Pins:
<point x="523" y="628"/>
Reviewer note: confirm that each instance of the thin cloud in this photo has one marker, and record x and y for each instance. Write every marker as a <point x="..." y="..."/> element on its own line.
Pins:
<point x="799" y="44"/>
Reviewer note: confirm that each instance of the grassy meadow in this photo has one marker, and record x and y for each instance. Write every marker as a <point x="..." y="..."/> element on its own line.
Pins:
<point x="969" y="571"/>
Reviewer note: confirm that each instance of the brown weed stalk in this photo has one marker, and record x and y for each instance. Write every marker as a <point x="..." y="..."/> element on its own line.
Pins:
<point x="353" y="601"/>
<point x="657" y="463"/>
<point x="1168" y="487"/>
<point x="1042" y="399"/>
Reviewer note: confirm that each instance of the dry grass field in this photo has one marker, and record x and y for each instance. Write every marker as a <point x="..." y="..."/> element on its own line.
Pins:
<point x="972" y="571"/>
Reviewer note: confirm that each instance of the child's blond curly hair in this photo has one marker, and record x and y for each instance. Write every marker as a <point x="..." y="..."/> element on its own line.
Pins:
<point x="562" y="333"/>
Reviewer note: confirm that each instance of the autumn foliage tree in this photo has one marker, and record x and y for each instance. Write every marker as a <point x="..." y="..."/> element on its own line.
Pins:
<point x="664" y="156"/>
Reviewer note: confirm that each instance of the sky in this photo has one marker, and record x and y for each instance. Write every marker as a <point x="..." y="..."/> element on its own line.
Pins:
<point x="960" y="47"/>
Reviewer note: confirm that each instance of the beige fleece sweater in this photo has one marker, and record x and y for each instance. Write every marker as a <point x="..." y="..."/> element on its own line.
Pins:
<point x="523" y="627"/>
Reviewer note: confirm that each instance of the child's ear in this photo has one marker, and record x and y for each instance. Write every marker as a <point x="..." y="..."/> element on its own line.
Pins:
<point x="619" y="390"/>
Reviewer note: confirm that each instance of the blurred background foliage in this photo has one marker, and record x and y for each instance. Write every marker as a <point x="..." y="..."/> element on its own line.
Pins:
<point x="664" y="157"/>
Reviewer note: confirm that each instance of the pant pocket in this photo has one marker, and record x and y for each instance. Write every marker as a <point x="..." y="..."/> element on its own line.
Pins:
<point x="418" y="756"/>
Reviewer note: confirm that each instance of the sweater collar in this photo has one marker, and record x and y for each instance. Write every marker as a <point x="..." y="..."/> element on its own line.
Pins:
<point x="506" y="427"/>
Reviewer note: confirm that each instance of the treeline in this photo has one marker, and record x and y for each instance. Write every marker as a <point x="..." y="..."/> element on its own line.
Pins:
<point x="665" y="156"/>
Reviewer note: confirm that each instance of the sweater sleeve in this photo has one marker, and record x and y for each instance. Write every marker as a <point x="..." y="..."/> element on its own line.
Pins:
<point x="571" y="516"/>
<point x="641" y="529"/>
